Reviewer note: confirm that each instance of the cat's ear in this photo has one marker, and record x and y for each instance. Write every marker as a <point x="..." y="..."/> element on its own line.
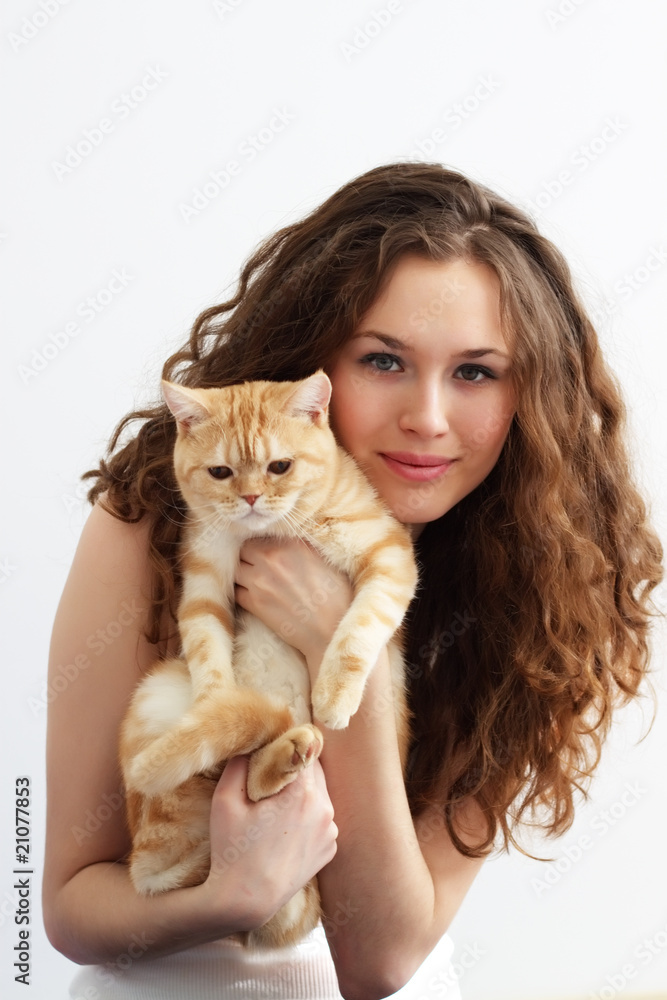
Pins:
<point x="185" y="404"/>
<point x="311" y="397"/>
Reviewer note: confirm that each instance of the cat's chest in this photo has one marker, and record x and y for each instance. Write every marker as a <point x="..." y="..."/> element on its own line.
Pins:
<point x="264" y="662"/>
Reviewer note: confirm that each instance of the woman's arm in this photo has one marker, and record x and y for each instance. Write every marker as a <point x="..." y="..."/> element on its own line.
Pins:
<point x="91" y="911"/>
<point x="395" y="885"/>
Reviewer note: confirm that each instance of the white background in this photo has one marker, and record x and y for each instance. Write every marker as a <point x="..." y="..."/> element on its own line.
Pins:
<point x="542" y="93"/>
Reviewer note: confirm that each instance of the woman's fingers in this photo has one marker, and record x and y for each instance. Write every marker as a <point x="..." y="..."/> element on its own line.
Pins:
<point x="234" y="776"/>
<point x="293" y="591"/>
<point x="271" y="848"/>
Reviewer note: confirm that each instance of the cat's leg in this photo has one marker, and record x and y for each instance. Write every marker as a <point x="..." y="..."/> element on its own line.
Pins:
<point x="167" y="737"/>
<point x="170" y="834"/>
<point x="206" y="609"/>
<point x="385" y="578"/>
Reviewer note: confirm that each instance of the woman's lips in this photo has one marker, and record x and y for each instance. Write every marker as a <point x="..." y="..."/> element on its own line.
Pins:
<point x="420" y="468"/>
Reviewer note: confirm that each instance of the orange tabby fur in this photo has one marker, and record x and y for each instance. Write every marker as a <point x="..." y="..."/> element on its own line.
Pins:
<point x="256" y="459"/>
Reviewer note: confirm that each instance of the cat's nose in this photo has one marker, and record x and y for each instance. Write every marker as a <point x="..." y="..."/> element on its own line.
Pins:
<point x="251" y="497"/>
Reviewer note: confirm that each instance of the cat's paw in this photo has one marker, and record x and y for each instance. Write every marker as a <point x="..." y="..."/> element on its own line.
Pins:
<point x="276" y="764"/>
<point x="334" y="708"/>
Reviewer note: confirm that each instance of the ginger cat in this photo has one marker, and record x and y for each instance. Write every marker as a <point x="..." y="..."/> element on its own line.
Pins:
<point x="256" y="459"/>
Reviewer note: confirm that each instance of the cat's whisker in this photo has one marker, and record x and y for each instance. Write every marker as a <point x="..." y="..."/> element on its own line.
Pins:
<point x="209" y="516"/>
<point x="300" y="525"/>
<point x="173" y="520"/>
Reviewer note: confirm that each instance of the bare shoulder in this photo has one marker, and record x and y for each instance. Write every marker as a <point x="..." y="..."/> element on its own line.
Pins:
<point x="113" y="549"/>
<point x="109" y="580"/>
<point x="98" y="655"/>
<point x="106" y="601"/>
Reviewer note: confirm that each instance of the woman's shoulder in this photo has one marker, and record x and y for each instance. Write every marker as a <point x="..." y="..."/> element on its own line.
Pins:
<point x="113" y="539"/>
<point x="110" y="580"/>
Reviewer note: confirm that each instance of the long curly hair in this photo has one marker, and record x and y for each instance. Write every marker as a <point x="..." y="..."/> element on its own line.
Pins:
<point x="533" y="616"/>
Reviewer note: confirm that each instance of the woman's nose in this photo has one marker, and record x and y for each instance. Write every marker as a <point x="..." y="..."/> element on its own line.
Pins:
<point x="424" y="412"/>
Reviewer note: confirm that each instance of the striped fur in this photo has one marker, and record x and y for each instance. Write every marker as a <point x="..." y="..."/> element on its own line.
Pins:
<point x="238" y="688"/>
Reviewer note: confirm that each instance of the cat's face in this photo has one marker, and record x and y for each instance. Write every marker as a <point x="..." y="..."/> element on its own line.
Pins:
<point x="251" y="456"/>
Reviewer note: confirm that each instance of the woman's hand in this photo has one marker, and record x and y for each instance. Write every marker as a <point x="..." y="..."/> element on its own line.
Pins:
<point x="289" y="587"/>
<point x="263" y="852"/>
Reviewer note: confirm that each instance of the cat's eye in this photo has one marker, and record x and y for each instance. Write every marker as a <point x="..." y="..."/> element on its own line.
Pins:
<point x="279" y="467"/>
<point x="220" y="472"/>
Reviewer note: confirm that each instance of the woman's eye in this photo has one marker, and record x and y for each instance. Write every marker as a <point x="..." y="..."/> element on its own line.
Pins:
<point x="220" y="472"/>
<point x="473" y="373"/>
<point x="279" y="467"/>
<point x="381" y="362"/>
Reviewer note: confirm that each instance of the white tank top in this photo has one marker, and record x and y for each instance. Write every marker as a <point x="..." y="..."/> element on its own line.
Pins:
<point x="224" y="970"/>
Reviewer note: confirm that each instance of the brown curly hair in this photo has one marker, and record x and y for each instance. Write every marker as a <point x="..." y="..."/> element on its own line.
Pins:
<point x="532" y="620"/>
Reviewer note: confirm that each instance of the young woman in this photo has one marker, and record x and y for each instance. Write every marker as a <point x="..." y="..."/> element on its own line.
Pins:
<point x="469" y="385"/>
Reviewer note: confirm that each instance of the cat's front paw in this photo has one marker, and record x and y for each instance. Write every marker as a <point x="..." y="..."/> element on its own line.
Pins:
<point x="278" y="763"/>
<point x="334" y="709"/>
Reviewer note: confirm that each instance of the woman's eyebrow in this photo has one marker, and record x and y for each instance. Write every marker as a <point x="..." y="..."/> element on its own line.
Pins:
<point x="398" y="345"/>
<point x="393" y="342"/>
<point x="479" y="352"/>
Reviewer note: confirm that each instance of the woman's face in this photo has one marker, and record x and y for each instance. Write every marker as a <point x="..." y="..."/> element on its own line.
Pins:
<point x="422" y="393"/>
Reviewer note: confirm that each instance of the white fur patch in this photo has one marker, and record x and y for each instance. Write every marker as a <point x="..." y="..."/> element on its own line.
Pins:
<point x="164" y="698"/>
<point x="264" y="662"/>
